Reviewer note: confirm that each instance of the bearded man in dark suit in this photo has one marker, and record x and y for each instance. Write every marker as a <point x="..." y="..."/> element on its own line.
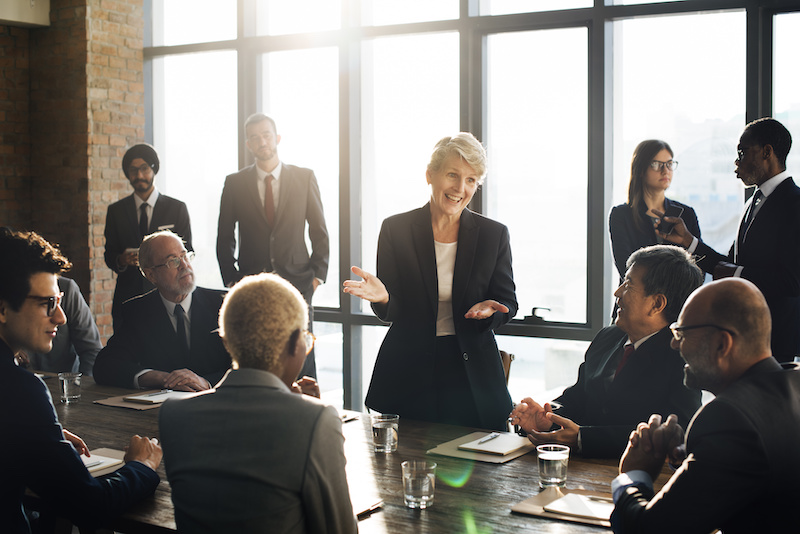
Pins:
<point x="269" y="204"/>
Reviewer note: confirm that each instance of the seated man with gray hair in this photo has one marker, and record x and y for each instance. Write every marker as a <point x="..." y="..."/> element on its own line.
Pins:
<point x="630" y="371"/>
<point x="254" y="456"/>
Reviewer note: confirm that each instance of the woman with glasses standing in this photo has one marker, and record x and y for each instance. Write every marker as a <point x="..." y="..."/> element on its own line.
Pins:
<point x="632" y="225"/>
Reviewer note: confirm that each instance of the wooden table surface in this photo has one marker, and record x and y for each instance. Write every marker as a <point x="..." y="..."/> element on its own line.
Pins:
<point x="471" y="497"/>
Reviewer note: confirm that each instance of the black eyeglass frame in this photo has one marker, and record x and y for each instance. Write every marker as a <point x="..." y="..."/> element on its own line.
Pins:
<point x="677" y="329"/>
<point x="52" y="302"/>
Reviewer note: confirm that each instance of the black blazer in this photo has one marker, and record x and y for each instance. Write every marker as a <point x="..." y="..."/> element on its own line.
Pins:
<point x="742" y="470"/>
<point x="281" y="249"/>
<point x="35" y="455"/>
<point x="122" y="232"/>
<point x="403" y="380"/>
<point x="608" y="408"/>
<point x="770" y="255"/>
<point x="146" y="339"/>
<point x="626" y="238"/>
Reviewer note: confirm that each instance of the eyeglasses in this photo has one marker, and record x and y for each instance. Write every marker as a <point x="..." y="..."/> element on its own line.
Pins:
<point x="658" y="165"/>
<point x="52" y="302"/>
<point x="310" y="339"/>
<point x="174" y="263"/>
<point x="677" y="331"/>
<point x="741" y="152"/>
<point x="141" y="169"/>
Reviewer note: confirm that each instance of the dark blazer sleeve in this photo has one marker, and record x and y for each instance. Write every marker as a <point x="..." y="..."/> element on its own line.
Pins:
<point x="620" y="227"/>
<point x="712" y="482"/>
<point x="54" y="471"/>
<point x="117" y="239"/>
<point x="226" y="236"/>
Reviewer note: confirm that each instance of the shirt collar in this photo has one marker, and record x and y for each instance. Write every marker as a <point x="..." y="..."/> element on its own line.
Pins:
<point x="276" y="172"/>
<point x="151" y="200"/>
<point x="639" y="343"/>
<point x="170" y="306"/>
<point x="769" y="186"/>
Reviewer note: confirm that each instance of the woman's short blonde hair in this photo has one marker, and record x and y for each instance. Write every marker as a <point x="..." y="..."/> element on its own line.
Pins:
<point x="257" y="319"/>
<point x="464" y="144"/>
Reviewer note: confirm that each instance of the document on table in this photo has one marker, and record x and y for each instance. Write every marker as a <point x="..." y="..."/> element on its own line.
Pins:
<point x="587" y="506"/>
<point x="453" y="448"/>
<point x="157" y="397"/>
<point x="501" y="443"/>
<point x="103" y="461"/>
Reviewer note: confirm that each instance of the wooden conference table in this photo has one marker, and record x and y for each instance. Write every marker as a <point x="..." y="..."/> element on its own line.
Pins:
<point x="471" y="497"/>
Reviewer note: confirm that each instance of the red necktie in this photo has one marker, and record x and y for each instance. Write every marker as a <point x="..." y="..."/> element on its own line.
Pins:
<point x="269" y="202"/>
<point x="625" y="355"/>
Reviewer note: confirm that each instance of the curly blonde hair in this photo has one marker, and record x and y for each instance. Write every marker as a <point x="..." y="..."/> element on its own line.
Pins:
<point x="257" y="319"/>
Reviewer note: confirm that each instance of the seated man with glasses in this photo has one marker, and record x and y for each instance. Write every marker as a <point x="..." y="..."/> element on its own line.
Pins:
<point x="253" y="456"/>
<point x="36" y="452"/>
<point x="741" y="472"/>
<point x="166" y="338"/>
<point x="630" y="371"/>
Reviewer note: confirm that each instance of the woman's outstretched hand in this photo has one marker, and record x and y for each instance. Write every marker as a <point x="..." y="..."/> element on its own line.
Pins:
<point x="485" y="309"/>
<point x="370" y="288"/>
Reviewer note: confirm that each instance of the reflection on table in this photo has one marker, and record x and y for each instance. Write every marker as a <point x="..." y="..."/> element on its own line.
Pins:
<point x="470" y="496"/>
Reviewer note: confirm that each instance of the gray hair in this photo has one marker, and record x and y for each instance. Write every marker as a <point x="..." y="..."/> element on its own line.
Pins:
<point x="465" y="145"/>
<point x="671" y="271"/>
<point x="146" y="259"/>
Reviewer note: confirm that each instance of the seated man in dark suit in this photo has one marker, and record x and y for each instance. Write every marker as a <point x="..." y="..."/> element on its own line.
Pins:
<point x="165" y="338"/>
<point x="630" y="371"/>
<point x="254" y="456"/>
<point x="742" y="467"/>
<point x="35" y="452"/>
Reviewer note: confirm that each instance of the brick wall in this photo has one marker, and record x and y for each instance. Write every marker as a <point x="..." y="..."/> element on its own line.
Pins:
<point x="15" y="174"/>
<point x="66" y="117"/>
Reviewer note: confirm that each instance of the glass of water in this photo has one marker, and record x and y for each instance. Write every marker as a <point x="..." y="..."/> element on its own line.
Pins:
<point x="384" y="432"/>
<point x="70" y="387"/>
<point x="553" y="460"/>
<point x="419" y="483"/>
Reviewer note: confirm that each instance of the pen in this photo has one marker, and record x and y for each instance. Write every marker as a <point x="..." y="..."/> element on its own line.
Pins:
<point x="158" y="393"/>
<point x="490" y="437"/>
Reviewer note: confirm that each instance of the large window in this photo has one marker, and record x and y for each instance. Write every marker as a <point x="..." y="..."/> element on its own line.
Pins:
<point x="560" y="92"/>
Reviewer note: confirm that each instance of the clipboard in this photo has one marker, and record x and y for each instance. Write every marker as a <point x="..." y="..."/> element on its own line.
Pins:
<point x="542" y="503"/>
<point x="450" y="448"/>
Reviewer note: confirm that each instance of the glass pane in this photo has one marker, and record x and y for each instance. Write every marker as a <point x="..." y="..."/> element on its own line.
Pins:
<point x="177" y="22"/>
<point x="328" y="355"/>
<point x="279" y="17"/>
<point x="185" y="128"/>
<point x="504" y="7"/>
<point x="542" y="368"/>
<point x="787" y="79"/>
<point x="383" y="12"/>
<point x="301" y="92"/>
<point x="538" y="169"/>
<point x="662" y="88"/>
<point x="396" y="143"/>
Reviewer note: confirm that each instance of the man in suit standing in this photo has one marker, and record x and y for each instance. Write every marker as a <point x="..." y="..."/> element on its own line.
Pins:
<point x="254" y="456"/>
<point x="630" y="370"/>
<point x="271" y="202"/>
<point x="740" y="475"/>
<point x="166" y="338"/>
<point x="36" y="452"/>
<point x="767" y="249"/>
<point x="129" y="220"/>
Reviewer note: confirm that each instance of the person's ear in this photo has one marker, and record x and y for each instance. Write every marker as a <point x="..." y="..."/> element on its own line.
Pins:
<point x="659" y="303"/>
<point x="3" y="311"/>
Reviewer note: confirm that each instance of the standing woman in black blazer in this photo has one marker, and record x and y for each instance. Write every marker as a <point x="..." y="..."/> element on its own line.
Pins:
<point x="444" y="281"/>
<point x="632" y="225"/>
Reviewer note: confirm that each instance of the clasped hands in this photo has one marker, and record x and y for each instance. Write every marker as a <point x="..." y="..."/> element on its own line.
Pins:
<point x="651" y="443"/>
<point x="537" y="421"/>
<point x="371" y="288"/>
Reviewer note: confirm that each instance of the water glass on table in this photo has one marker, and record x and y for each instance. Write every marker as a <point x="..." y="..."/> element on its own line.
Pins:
<point x="419" y="483"/>
<point x="70" y="387"/>
<point x="553" y="460"/>
<point x="384" y="432"/>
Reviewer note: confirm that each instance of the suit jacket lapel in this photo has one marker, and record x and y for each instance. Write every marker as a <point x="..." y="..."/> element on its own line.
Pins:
<point x="130" y="215"/>
<point x="286" y="190"/>
<point x="422" y="237"/>
<point x="468" y="233"/>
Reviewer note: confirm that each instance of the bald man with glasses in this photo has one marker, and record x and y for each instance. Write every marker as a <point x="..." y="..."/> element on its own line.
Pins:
<point x="166" y="339"/>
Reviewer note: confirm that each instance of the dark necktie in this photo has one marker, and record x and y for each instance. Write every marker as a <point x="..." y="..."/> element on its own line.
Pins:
<point x="181" y="330"/>
<point x="143" y="223"/>
<point x="758" y="197"/>
<point x="269" y="200"/>
<point x="625" y="356"/>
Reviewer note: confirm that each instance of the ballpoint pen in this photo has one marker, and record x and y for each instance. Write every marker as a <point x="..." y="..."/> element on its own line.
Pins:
<point x="490" y="437"/>
<point x="158" y="393"/>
